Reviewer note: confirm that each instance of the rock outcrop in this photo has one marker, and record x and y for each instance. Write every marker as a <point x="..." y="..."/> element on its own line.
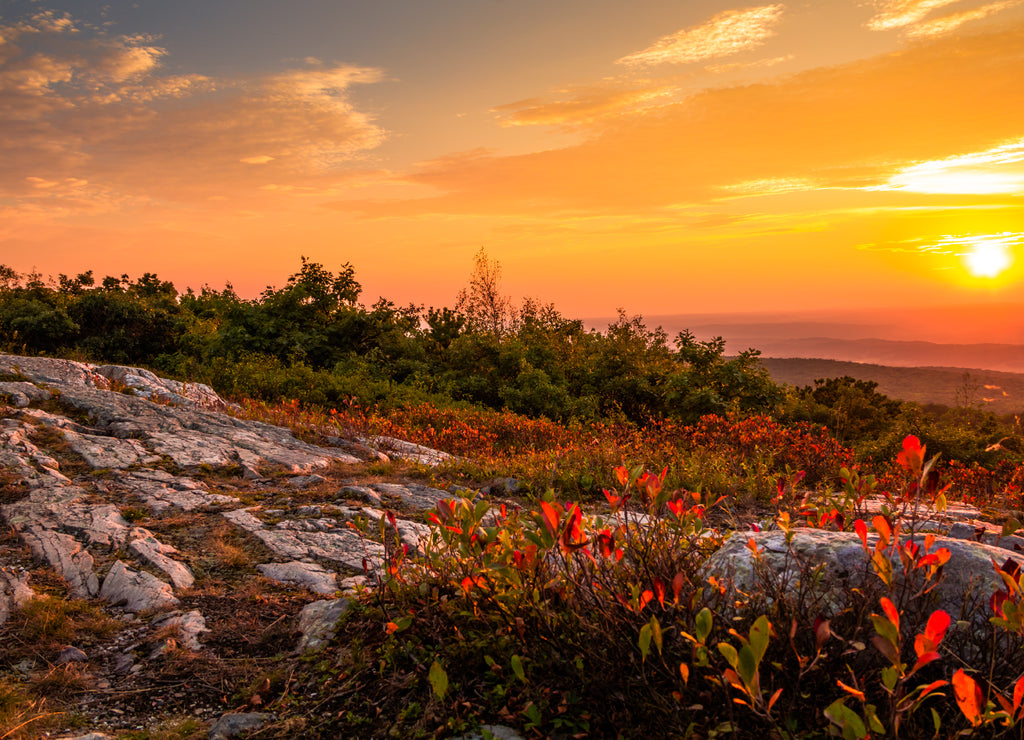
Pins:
<point x="87" y="451"/>
<point x="155" y="503"/>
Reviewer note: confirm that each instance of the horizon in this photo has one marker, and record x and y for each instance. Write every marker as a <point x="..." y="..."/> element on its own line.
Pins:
<point x="718" y="159"/>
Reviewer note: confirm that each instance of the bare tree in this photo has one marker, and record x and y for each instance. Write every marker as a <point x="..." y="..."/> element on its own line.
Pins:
<point x="482" y="302"/>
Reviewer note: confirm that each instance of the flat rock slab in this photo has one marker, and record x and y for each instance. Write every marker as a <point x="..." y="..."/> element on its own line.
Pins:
<point x="67" y="557"/>
<point x="407" y="450"/>
<point x="154" y="552"/>
<point x="21" y="393"/>
<point x="969" y="574"/>
<point x="136" y="590"/>
<point x="310" y="576"/>
<point x="185" y="426"/>
<point x="300" y="540"/>
<point x="412" y="495"/>
<point x="109" y="452"/>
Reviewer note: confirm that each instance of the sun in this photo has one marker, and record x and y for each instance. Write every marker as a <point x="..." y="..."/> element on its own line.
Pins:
<point x="988" y="257"/>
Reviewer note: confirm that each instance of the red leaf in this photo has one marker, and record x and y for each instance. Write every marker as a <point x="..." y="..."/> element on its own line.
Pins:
<point x="912" y="456"/>
<point x="862" y="532"/>
<point x="1018" y="693"/>
<point x="890" y="611"/>
<point x="936" y="628"/>
<point x="659" y="591"/>
<point x="884" y="530"/>
<point x="613" y="500"/>
<point x="822" y="631"/>
<point x="968" y="696"/>
<point x="645" y="598"/>
<point x="550" y="517"/>
<point x="677" y="586"/>
<point x="623" y="475"/>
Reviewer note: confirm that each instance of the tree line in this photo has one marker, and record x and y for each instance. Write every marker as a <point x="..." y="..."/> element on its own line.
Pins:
<point x="313" y="340"/>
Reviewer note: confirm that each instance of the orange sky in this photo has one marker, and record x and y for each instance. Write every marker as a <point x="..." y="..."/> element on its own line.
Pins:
<point x="661" y="157"/>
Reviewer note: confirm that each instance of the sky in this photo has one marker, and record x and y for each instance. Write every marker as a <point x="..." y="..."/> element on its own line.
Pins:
<point x="658" y="157"/>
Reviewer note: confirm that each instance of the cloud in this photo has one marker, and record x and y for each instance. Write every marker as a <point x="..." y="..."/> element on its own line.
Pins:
<point x="583" y="105"/>
<point x="910" y="15"/>
<point x="996" y="170"/>
<point x="78" y="103"/>
<point x="850" y="126"/>
<point x="900" y="13"/>
<point x="728" y="32"/>
<point x="949" y="23"/>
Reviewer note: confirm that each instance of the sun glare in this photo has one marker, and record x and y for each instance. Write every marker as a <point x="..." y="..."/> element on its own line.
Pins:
<point x="989" y="255"/>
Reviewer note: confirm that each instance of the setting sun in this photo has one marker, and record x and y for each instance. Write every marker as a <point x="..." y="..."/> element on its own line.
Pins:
<point x="989" y="255"/>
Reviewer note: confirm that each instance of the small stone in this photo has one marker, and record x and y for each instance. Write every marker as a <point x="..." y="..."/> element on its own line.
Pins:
<point x="231" y="725"/>
<point x="71" y="654"/>
<point x="318" y="623"/>
<point x="498" y="732"/>
<point x="306" y="481"/>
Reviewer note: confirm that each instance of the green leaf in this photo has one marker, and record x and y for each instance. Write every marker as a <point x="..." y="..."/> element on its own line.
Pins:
<point x="703" y="624"/>
<point x="1010" y="526"/>
<point x="481" y="509"/>
<point x="517" y="668"/>
<point x="846" y="719"/>
<point x="438" y="680"/>
<point x="645" y="640"/>
<point x="729" y="653"/>
<point x="889" y="677"/>
<point x="747" y="667"/>
<point x="886" y="629"/>
<point x="759" y="634"/>
<point x="655" y="626"/>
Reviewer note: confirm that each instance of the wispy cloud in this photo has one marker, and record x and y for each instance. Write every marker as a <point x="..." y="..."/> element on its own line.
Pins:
<point x="729" y="32"/>
<point x="911" y="15"/>
<point x="948" y="23"/>
<point x="80" y="105"/>
<point x="900" y="13"/>
<point x="996" y="170"/>
<point x="583" y="105"/>
<point x="852" y="126"/>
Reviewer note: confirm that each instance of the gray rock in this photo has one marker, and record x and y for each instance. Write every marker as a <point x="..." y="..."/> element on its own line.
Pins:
<point x="71" y="654"/>
<point x="189" y="626"/>
<point x="109" y="452"/>
<point x="137" y="590"/>
<point x="65" y="555"/>
<point x="306" y="481"/>
<point x="969" y="576"/>
<point x="412" y="495"/>
<point x="318" y="623"/>
<point x="407" y="450"/>
<point x="362" y="492"/>
<point x="232" y="725"/>
<point x="21" y="394"/>
<point x="14" y="591"/>
<point x="154" y="552"/>
<point x="159" y="495"/>
<point x="492" y="732"/>
<point x="306" y="575"/>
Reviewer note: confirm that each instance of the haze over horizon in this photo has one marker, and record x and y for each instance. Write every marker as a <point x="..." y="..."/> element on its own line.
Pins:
<point x="861" y="162"/>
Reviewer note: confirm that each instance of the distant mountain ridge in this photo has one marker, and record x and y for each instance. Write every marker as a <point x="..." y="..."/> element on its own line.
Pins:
<point x="989" y="356"/>
<point x="1001" y="393"/>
